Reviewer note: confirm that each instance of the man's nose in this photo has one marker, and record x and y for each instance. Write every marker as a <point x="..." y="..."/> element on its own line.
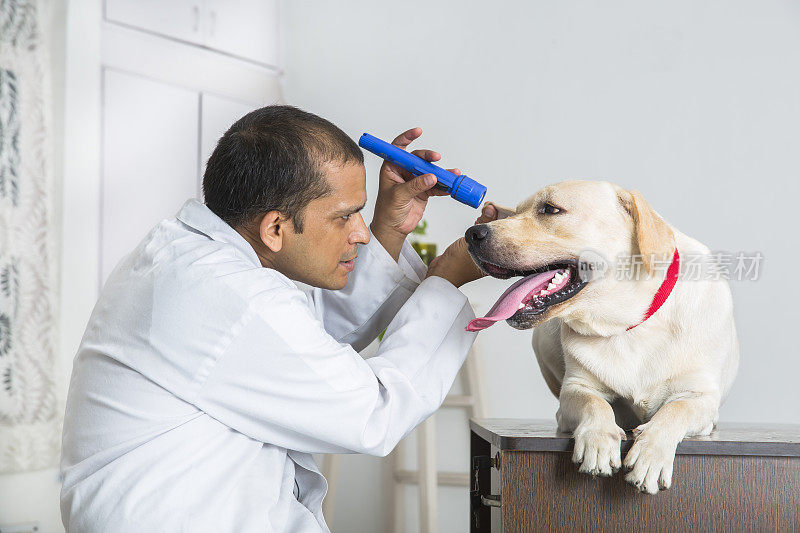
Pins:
<point x="360" y="235"/>
<point x="476" y="234"/>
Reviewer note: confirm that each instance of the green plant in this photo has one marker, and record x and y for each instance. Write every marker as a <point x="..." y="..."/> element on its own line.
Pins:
<point x="421" y="228"/>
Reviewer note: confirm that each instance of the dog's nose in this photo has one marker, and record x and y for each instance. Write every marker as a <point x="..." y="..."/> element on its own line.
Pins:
<point x="476" y="234"/>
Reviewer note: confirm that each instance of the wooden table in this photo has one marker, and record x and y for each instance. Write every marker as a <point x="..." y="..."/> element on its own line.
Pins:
<point x="743" y="477"/>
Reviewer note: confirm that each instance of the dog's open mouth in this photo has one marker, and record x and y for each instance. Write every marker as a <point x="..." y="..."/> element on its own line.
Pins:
<point x="533" y="294"/>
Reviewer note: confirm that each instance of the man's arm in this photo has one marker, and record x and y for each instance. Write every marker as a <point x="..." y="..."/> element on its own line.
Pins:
<point x="402" y="197"/>
<point x="285" y="381"/>
<point x="378" y="287"/>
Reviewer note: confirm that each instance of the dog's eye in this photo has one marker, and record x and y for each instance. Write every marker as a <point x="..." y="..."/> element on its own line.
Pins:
<point x="549" y="209"/>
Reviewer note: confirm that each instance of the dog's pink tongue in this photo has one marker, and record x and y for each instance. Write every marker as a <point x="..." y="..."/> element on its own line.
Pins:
<point x="508" y="303"/>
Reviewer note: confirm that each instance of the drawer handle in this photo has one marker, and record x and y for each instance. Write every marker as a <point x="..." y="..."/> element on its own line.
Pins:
<point x="477" y="499"/>
<point x="493" y="500"/>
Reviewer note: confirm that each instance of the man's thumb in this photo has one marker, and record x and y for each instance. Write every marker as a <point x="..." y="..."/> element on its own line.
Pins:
<point x="420" y="184"/>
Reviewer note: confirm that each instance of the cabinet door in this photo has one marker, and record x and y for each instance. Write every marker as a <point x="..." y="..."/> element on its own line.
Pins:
<point x="244" y="28"/>
<point x="150" y="147"/>
<point x="218" y="114"/>
<point x="180" y="19"/>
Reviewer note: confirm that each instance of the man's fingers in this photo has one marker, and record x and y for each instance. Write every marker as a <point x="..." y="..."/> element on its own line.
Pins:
<point x="427" y="155"/>
<point x="405" y="138"/>
<point x="418" y="185"/>
<point x="488" y="214"/>
<point x="440" y="192"/>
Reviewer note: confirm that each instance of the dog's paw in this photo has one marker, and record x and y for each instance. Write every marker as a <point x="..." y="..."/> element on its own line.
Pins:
<point x="597" y="449"/>
<point x="650" y="459"/>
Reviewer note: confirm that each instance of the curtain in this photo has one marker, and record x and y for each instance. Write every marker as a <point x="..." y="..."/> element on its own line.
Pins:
<point x="30" y="416"/>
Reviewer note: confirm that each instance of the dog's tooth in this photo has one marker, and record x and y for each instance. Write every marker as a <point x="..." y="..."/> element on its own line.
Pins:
<point x="551" y="286"/>
<point x="544" y="293"/>
<point x="522" y="306"/>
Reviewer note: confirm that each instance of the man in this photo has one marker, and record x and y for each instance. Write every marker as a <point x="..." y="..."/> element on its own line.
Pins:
<point x="207" y="376"/>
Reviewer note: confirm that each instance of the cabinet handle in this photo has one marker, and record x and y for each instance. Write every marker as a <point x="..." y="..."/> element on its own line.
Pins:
<point x="213" y="23"/>
<point x="196" y="24"/>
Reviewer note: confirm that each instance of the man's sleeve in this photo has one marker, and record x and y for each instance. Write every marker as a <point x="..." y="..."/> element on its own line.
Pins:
<point x="375" y="291"/>
<point x="284" y="380"/>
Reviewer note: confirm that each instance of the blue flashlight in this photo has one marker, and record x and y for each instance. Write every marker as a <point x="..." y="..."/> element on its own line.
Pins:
<point x="462" y="188"/>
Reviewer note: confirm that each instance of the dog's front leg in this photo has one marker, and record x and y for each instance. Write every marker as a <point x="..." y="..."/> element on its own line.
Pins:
<point x="652" y="455"/>
<point x="585" y="411"/>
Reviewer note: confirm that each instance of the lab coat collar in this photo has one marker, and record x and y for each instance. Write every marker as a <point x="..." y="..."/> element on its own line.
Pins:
<point x="197" y="215"/>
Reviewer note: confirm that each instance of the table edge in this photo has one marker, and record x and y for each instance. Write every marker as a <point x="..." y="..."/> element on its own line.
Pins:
<point x="564" y="443"/>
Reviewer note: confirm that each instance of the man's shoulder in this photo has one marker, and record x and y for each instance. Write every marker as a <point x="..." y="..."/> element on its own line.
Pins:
<point x="177" y="289"/>
<point x="176" y="262"/>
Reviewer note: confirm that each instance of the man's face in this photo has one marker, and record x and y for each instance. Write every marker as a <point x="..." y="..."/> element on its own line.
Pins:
<point x="322" y="255"/>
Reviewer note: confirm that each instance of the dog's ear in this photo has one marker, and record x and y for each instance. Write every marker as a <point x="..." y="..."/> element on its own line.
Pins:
<point x="654" y="237"/>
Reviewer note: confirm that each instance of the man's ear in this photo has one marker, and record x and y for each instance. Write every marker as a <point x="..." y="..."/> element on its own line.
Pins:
<point x="272" y="230"/>
<point x="653" y="236"/>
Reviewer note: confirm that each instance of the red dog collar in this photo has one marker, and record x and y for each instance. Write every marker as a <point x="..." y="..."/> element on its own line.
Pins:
<point x="665" y="289"/>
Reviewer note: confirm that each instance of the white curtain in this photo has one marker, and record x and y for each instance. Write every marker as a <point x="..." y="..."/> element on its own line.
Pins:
<point x="30" y="416"/>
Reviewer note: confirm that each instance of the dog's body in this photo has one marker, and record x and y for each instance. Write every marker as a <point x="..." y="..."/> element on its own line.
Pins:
<point x="665" y="377"/>
<point x="685" y="355"/>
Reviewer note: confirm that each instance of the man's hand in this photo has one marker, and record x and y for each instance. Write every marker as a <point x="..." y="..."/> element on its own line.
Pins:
<point x="495" y="212"/>
<point x="455" y="264"/>
<point x="402" y="197"/>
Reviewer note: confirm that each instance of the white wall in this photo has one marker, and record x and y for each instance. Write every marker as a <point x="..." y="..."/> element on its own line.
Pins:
<point x="696" y="104"/>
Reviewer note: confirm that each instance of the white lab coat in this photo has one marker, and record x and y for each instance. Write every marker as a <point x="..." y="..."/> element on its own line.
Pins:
<point x="204" y="381"/>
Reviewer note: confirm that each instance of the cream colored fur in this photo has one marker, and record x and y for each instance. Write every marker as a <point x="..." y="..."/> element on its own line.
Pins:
<point x="667" y="376"/>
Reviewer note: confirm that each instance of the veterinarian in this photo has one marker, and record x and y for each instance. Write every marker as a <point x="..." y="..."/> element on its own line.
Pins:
<point x="206" y="376"/>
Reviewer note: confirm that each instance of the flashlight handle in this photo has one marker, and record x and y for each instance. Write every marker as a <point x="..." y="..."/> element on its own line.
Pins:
<point x="461" y="188"/>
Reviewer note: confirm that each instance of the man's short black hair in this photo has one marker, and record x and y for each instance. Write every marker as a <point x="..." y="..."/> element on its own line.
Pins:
<point x="273" y="159"/>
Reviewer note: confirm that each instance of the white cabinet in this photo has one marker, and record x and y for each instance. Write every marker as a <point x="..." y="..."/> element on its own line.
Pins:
<point x="150" y="151"/>
<point x="157" y="138"/>
<point x="180" y="19"/>
<point x="168" y="94"/>
<point x="243" y="28"/>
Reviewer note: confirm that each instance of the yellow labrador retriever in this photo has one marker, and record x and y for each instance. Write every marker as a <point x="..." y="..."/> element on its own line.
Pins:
<point x="626" y="334"/>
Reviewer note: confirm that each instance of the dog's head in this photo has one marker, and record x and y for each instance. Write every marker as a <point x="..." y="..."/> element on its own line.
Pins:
<point x="557" y="240"/>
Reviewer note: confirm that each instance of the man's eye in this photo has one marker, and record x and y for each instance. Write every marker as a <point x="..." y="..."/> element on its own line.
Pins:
<point x="549" y="209"/>
<point x="347" y="217"/>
